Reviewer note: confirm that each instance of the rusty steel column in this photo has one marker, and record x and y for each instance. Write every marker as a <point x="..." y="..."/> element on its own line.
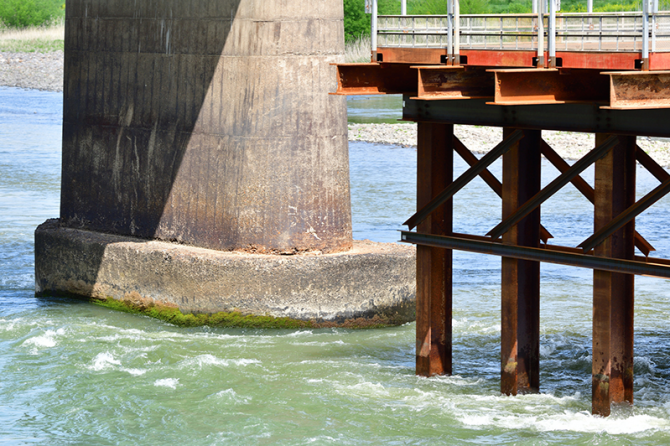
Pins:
<point x="434" y="265"/>
<point x="613" y="293"/>
<point x="520" y="336"/>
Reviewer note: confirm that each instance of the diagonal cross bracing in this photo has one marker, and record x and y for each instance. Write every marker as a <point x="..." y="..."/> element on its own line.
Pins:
<point x="626" y="216"/>
<point x="582" y="186"/>
<point x="553" y="187"/>
<point x="464" y="179"/>
<point x="490" y="179"/>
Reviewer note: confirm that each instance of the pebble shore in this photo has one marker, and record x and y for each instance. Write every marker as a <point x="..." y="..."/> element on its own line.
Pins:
<point x="37" y="71"/>
<point x="568" y="145"/>
<point x="44" y="71"/>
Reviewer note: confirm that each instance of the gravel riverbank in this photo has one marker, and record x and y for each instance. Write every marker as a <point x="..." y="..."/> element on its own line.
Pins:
<point x="482" y="139"/>
<point x="44" y="71"/>
<point x="37" y="71"/>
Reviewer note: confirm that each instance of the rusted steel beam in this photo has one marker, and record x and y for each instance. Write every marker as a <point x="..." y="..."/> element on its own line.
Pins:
<point x="630" y="90"/>
<point x="569" y="249"/>
<point x="375" y="78"/>
<point x="582" y="186"/>
<point x="598" y="60"/>
<point x="551" y="254"/>
<point x="652" y="166"/>
<point x="569" y="117"/>
<point x="464" y="179"/>
<point x="428" y="56"/>
<point x="434" y="265"/>
<point x="553" y="187"/>
<point x="613" y="292"/>
<point x="490" y="179"/>
<point x="520" y="308"/>
<point x="626" y="216"/>
<point x="442" y="82"/>
<point x="497" y="58"/>
<point x="549" y="86"/>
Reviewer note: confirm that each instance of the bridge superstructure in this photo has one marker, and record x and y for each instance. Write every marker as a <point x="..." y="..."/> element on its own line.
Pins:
<point x="601" y="73"/>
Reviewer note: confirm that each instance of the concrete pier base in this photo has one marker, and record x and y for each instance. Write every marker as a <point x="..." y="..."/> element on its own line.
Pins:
<point x="372" y="279"/>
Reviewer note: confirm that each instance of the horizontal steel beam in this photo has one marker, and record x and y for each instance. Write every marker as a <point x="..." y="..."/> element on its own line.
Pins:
<point x="375" y="78"/>
<point x="538" y="254"/>
<point x="549" y="86"/>
<point x="568" y="117"/>
<point x="440" y="82"/>
<point x="464" y="179"/>
<point x="639" y="89"/>
<point x="553" y="187"/>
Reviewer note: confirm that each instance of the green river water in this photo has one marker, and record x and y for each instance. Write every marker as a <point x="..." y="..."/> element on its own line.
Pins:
<point x="75" y="373"/>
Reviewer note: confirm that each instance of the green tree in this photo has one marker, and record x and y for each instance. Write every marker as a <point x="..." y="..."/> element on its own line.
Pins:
<point x="22" y="13"/>
<point x="356" y="21"/>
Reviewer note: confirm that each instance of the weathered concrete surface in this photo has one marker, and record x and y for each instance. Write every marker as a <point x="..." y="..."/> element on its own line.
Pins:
<point x="207" y="122"/>
<point x="371" y="279"/>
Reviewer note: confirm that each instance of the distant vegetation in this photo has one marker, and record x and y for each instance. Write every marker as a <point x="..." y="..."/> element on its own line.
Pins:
<point x="357" y="23"/>
<point x="27" y="13"/>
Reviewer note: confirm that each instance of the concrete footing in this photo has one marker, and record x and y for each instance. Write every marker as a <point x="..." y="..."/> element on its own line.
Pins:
<point x="373" y="279"/>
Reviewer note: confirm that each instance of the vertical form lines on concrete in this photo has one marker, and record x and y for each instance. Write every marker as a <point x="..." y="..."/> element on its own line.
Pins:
<point x="207" y="123"/>
<point x="613" y="293"/>
<point x="434" y="265"/>
<point x="520" y="337"/>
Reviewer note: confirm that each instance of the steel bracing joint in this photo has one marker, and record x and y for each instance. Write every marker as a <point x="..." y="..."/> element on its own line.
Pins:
<point x="464" y="179"/>
<point x="553" y="187"/>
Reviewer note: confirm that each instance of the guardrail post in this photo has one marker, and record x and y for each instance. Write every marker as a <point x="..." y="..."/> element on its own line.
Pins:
<point x="552" y="33"/>
<point x="373" y="31"/>
<point x="450" y="31"/>
<point x="403" y="7"/>
<point x="457" y="32"/>
<point x="645" y="35"/>
<point x="540" y="34"/>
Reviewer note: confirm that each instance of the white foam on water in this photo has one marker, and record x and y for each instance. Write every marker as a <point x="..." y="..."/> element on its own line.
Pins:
<point x="231" y="395"/>
<point x="464" y="325"/>
<point x="456" y="380"/>
<point x="167" y="382"/>
<point x="103" y="361"/>
<point x="567" y="421"/>
<point x="134" y="372"/>
<point x="319" y="343"/>
<point x="47" y="339"/>
<point x="296" y="334"/>
<point x="201" y="361"/>
<point x="365" y="389"/>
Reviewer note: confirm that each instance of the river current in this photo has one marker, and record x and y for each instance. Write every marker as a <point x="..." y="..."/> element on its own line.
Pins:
<point x="75" y="373"/>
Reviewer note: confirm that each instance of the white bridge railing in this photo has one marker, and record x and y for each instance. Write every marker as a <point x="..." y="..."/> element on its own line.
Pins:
<point x="639" y="31"/>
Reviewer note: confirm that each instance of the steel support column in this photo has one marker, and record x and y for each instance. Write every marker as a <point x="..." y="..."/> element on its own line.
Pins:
<point x="520" y="337"/>
<point x="434" y="265"/>
<point x="613" y="293"/>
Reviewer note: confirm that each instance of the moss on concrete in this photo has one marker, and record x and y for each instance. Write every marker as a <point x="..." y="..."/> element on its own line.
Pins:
<point x="171" y="313"/>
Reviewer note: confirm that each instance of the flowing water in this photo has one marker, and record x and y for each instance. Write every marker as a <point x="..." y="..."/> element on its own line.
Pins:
<point x="75" y="373"/>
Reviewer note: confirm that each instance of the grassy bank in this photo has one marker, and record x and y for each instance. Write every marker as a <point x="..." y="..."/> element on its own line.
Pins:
<point x="42" y="39"/>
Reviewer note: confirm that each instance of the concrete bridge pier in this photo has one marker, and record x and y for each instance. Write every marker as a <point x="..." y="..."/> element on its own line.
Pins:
<point x="206" y="166"/>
